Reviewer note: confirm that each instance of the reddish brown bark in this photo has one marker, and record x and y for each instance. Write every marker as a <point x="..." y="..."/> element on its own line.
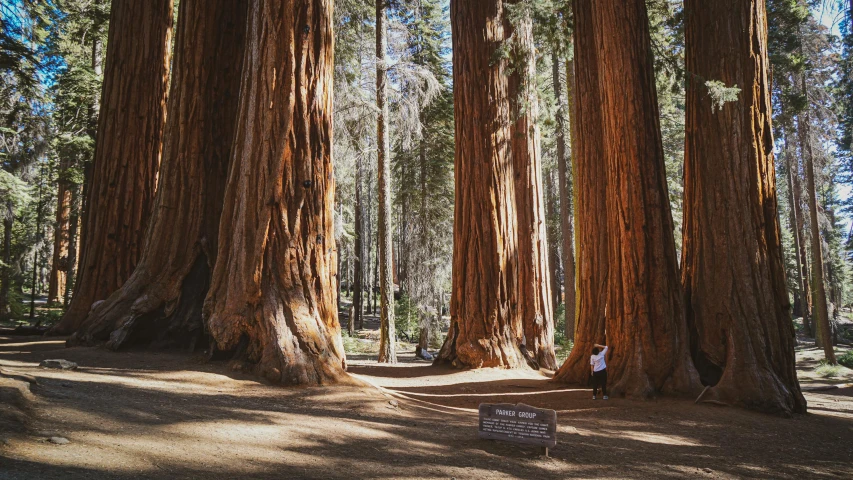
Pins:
<point x="161" y="302"/>
<point x="534" y="282"/>
<point x="56" y="281"/>
<point x="485" y="325"/>
<point x="645" y="312"/>
<point x="272" y="296"/>
<point x="127" y="153"/>
<point x="742" y="337"/>
<point x="589" y="178"/>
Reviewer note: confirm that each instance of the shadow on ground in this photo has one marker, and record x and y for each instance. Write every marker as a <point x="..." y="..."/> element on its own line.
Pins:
<point x="170" y="415"/>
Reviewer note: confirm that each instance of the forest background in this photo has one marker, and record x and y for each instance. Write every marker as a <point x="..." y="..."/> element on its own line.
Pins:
<point x="51" y="56"/>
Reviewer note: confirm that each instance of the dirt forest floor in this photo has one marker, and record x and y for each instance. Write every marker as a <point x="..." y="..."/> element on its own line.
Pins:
<point x="141" y="414"/>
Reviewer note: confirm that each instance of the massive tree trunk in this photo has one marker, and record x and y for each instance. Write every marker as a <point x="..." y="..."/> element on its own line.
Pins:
<point x="161" y="302"/>
<point x="127" y="154"/>
<point x="645" y="311"/>
<point x="738" y="312"/>
<point x="485" y="323"/>
<point x="59" y="263"/>
<point x="387" y="336"/>
<point x="589" y="179"/>
<point x="821" y="311"/>
<point x="564" y="170"/>
<point x="534" y="301"/>
<point x="272" y="296"/>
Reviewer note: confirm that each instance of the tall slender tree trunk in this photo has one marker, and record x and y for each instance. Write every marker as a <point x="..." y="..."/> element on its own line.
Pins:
<point x="801" y="233"/>
<point x="645" y="311"/>
<point x="485" y="323"/>
<point x="127" y="153"/>
<point x="37" y="245"/>
<point x="821" y="311"/>
<point x="794" y="190"/>
<point x="738" y="312"/>
<point x="423" y="239"/>
<point x="272" y="296"/>
<point x="59" y="263"/>
<point x="368" y="247"/>
<point x="6" y="267"/>
<point x="589" y="178"/>
<point x="534" y="301"/>
<point x="162" y="301"/>
<point x="564" y="170"/>
<point x="358" y="288"/>
<point x="73" y="243"/>
<point x="554" y="238"/>
<point x="387" y="336"/>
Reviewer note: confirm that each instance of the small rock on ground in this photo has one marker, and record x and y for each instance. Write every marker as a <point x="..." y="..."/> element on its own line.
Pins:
<point x="58" y="364"/>
<point x="58" y="440"/>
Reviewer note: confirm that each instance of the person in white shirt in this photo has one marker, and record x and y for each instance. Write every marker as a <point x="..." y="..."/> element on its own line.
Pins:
<point x="599" y="370"/>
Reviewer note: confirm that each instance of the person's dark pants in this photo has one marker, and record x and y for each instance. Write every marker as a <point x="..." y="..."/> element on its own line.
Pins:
<point x="599" y="379"/>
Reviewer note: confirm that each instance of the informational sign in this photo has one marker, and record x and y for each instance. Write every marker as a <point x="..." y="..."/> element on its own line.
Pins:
<point x="518" y="423"/>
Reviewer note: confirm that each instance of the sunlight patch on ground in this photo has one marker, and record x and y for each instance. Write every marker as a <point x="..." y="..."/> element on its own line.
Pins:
<point x="647" y="437"/>
<point x="58" y="343"/>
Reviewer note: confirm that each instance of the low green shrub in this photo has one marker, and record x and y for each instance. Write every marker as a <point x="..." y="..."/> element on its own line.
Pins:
<point x="826" y="370"/>
<point x="846" y="359"/>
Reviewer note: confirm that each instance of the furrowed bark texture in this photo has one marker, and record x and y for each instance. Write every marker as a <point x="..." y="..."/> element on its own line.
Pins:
<point x="161" y="302"/>
<point x="589" y="178"/>
<point x="485" y="324"/>
<point x="564" y="169"/>
<point x="645" y="311"/>
<point x="738" y="312"/>
<point x="272" y="296"/>
<point x="127" y="152"/>
<point x="387" y="336"/>
<point x="534" y="295"/>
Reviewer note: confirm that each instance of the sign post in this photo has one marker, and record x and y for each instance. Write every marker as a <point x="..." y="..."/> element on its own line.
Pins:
<point x="518" y="423"/>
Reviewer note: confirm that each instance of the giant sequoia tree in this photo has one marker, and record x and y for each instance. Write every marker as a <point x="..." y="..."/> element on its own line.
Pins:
<point x="645" y="312"/>
<point x="534" y="300"/>
<point x="272" y="299"/>
<point x="742" y="337"/>
<point x="590" y="198"/>
<point x="485" y="326"/>
<point x="643" y="308"/>
<point x="162" y="300"/>
<point x="127" y="154"/>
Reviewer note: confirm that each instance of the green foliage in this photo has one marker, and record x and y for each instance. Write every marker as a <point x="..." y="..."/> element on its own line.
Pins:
<point x="721" y="94"/>
<point x="563" y="345"/>
<point x="355" y="345"/>
<point x="406" y="317"/>
<point x="826" y="370"/>
<point x="846" y="359"/>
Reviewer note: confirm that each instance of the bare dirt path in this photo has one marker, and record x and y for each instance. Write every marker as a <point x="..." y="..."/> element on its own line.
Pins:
<point x="171" y="415"/>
